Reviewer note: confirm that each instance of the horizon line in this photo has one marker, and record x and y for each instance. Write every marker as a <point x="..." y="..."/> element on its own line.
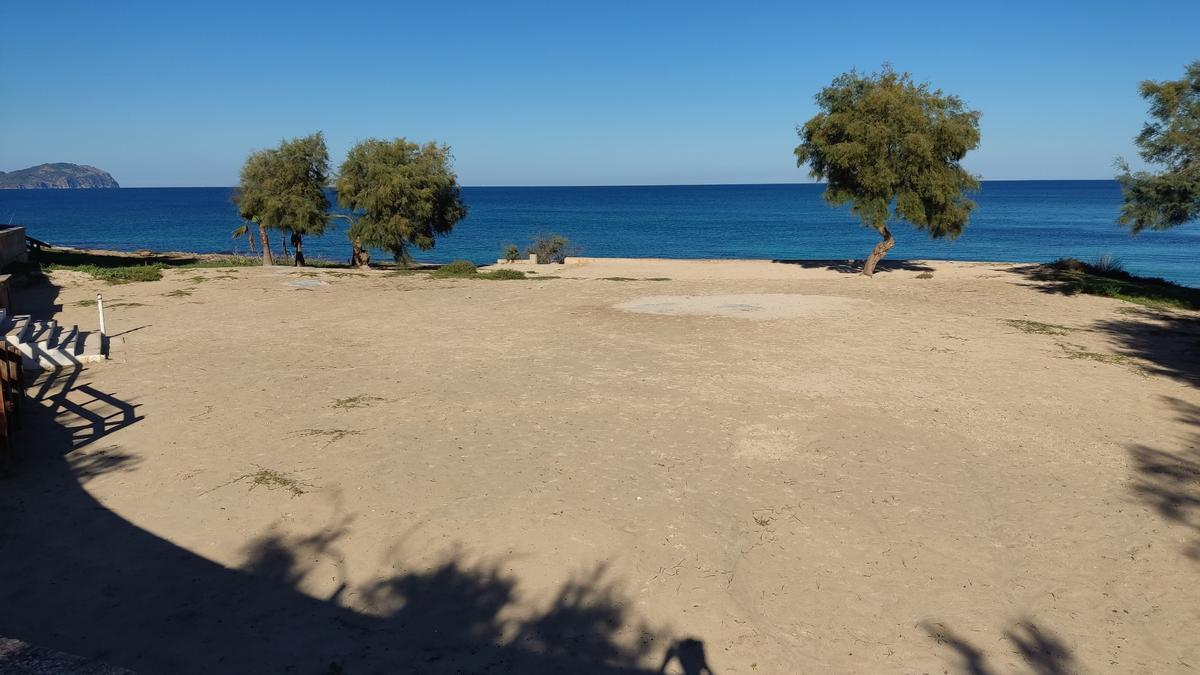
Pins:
<point x="646" y="185"/>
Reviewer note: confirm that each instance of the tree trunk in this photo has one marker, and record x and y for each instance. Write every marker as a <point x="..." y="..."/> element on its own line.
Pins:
<point x="283" y="245"/>
<point x="298" y="247"/>
<point x="879" y="251"/>
<point x="268" y="260"/>
<point x="359" y="256"/>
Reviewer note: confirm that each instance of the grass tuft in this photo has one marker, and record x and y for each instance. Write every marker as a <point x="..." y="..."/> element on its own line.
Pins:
<point x="334" y="435"/>
<point x="465" y="269"/>
<point x="360" y="401"/>
<point x="1037" y="327"/>
<point x="501" y="275"/>
<point x="1082" y="353"/>
<point x="274" y="480"/>
<point x="116" y="275"/>
<point x="459" y="269"/>
<point x="925" y="275"/>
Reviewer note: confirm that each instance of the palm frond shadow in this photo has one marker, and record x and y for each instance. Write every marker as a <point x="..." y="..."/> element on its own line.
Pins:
<point x="1043" y="652"/>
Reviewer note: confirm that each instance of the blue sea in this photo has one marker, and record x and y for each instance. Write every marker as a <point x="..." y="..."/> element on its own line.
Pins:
<point x="1014" y="221"/>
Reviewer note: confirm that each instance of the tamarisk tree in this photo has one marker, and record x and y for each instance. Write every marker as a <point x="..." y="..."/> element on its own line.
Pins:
<point x="283" y="188"/>
<point x="402" y="194"/>
<point x="1170" y="197"/>
<point x="891" y="148"/>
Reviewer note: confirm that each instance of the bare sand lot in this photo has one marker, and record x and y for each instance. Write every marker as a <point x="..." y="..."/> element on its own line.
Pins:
<point x="634" y="465"/>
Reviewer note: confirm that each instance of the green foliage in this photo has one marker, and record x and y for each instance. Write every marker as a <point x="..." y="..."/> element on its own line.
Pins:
<point x="283" y="188"/>
<point x="549" y="248"/>
<point x="882" y="140"/>
<point x="511" y="252"/>
<point x="403" y="194"/>
<point x="1108" y="265"/>
<point x="465" y="269"/>
<point x="1037" y="327"/>
<point x="1074" y="276"/>
<point x="1170" y="197"/>
<point x="118" y="275"/>
<point x="501" y="275"/>
<point x="455" y="270"/>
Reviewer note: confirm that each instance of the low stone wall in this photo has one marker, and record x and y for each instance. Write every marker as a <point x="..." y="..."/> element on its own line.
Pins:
<point x="12" y="245"/>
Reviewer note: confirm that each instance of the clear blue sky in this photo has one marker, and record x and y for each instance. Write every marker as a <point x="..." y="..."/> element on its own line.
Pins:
<point x="557" y="94"/>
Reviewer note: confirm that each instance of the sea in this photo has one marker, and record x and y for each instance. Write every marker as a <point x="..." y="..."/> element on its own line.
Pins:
<point x="1017" y="221"/>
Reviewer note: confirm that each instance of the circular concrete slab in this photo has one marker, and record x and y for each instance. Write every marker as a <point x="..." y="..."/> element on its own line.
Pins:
<point x="749" y="306"/>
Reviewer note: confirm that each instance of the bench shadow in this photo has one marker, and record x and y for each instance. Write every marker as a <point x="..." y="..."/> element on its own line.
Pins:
<point x="79" y="578"/>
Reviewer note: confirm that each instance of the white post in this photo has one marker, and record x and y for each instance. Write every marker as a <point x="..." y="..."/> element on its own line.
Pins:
<point x="100" y="308"/>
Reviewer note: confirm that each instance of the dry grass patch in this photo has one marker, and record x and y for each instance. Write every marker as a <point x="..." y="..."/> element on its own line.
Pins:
<point x="334" y="435"/>
<point x="360" y="401"/>
<point x="1037" y="327"/>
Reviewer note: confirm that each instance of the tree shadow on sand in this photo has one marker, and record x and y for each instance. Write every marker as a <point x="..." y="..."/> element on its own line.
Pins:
<point x="856" y="266"/>
<point x="1169" y="480"/>
<point x="1168" y="342"/>
<point x="1042" y="651"/>
<point x="79" y="578"/>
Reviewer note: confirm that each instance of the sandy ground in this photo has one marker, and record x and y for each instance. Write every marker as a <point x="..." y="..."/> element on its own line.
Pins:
<point x="773" y="468"/>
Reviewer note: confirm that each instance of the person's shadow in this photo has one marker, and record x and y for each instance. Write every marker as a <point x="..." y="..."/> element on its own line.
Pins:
<point x="689" y="652"/>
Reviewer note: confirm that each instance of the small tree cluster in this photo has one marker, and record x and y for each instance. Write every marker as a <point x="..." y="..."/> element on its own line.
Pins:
<point x="400" y="194"/>
<point x="283" y="189"/>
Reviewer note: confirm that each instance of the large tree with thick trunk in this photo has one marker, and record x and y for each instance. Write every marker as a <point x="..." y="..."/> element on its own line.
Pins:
<point x="283" y="188"/>
<point x="1171" y="141"/>
<point x="401" y="194"/>
<point x="892" y="149"/>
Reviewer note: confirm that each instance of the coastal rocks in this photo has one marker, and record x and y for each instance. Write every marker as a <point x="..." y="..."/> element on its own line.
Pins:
<point x="60" y="175"/>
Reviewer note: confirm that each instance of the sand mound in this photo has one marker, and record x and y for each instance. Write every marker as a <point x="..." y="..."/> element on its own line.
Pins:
<point x="749" y="306"/>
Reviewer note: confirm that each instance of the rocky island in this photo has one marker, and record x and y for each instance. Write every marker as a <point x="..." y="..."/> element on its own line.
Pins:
<point x="60" y="175"/>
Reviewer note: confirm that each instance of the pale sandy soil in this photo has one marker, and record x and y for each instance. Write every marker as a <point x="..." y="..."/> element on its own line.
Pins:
<point x="806" y="470"/>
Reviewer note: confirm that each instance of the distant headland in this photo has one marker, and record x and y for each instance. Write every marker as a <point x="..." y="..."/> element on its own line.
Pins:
<point x="60" y="175"/>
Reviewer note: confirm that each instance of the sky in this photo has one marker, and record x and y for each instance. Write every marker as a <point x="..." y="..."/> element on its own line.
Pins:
<point x="565" y="93"/>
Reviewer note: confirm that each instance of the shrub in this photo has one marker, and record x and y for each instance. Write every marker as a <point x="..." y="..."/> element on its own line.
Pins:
<point x="1108" y="265"/>
<point x="1111" y="280"/>
<point x="501" y="275"/>
<point x="457" y="269"/>
<point x="123" y="275"/>
<point x="549" y="248"/>
<point x="511" y="252"/>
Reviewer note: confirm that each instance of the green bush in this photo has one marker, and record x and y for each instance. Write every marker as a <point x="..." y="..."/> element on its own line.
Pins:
<point x="1109" y="279"/>
<point x="511" y="252"/>
<point x="456" y="270"/>
<point x="501" y="275"/>
<point x="550" y="248"/>
<point x="123" y="275"/>
<point x="1108" y="265"/>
